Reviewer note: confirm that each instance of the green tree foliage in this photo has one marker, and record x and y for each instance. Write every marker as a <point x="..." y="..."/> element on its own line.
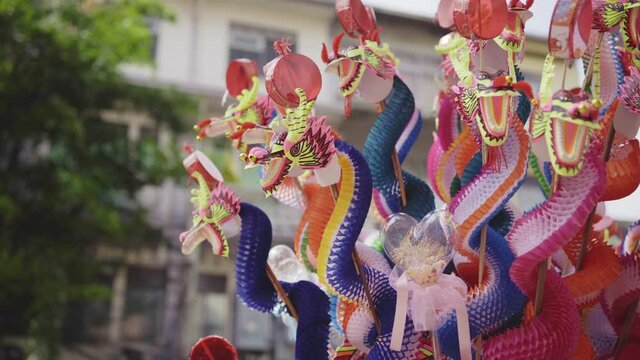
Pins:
<point x="68" y="176"/>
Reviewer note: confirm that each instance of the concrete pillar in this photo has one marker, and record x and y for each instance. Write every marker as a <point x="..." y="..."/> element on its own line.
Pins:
<point x="118" y="300"/>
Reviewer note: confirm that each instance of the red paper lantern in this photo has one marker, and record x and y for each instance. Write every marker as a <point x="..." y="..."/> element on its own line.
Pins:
<point x="461" y="18"/>
<point x="286" y="73"/>
<point x="239" y="75"/>
<point x="213" y="348"/>
<point x="487" y="18"/>
<point x="355" y="18"/>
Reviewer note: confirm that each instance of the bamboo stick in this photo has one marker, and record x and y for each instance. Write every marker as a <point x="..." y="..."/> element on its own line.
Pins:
<point x="626" y="328"/>
<point x="589" y="226"/>
<point x="544" y="265"/>
<point x="280" y="290"/>
<point x="607" y="154"/>
<point x="397" y="167"/>
<point x="483" y="233"/>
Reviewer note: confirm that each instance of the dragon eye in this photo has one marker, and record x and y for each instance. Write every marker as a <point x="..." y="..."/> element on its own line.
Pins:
<point x="483" y="75"/>
<point x="295" y="149"/>
<point x="563" y="96"/>
<point x="279" y="140"/>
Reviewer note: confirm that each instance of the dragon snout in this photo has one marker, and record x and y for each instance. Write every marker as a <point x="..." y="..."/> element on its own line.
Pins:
<point x="584" y="110"/>
<point x="190" y="239"/>
<point x="255" y="156"/>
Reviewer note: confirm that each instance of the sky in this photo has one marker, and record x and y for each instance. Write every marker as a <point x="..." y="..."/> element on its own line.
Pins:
<point x="627" y="209"/>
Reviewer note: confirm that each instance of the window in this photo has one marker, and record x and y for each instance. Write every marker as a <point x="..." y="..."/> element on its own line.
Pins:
<point x="255" y="43"/>
<point x="144" y="304"/>
<point x="214" y="308"/>
<point x="148" y="133"/>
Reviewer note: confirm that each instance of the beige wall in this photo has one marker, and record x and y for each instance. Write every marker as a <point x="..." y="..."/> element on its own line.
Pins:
<point x="192" y="52"/>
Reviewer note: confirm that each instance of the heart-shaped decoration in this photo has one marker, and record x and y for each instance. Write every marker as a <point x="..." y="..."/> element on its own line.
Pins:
<point x="285" y="264"/>
<point x="422" y="249"/>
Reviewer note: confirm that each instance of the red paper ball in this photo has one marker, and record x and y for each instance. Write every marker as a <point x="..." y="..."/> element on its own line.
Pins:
<point x="239" y="75"/>
<point x="285" y="74"/>
<point x="213" y="348"/>
<point x="355" y="18"/>
<point x="487" y="18"/>
<point x="461" y="18"/>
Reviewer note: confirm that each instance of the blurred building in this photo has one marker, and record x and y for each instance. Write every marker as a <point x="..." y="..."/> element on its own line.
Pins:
<point x="163" y="301"/>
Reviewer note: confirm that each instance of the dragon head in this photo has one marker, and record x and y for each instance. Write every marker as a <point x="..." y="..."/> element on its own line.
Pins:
<point x="496" y="94"/>
<point x="216" y="209"/>
<point x="369" y="61"/>
<point x="248" y="111"/>
<point x="626" y="13"/>
<point x="512" y="36"/>
<point x="572" y="119"/>
<point x="244" y="110"/>
<point x="275" y="165"/>
<point x="630" y="29"/>
<point x="300" y="141"/>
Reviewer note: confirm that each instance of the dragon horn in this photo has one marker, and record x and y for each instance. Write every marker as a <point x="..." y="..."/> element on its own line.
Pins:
<point x="202" y="124"/>
<point x="187" y="148"/>
<point x="375" y="36"/>
<point x="336" y="43"/>
<point x="201" y="135"/>
<point x="324" y="54"/>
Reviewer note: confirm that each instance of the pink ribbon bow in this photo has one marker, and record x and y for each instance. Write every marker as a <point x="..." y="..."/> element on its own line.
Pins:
<point x="425" y="303"/>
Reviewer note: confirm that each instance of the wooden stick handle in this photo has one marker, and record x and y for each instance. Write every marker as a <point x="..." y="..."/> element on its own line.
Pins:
<point x="483" y="232"/>
<point x="483" y="250"/>
<point x="565" y="67"/>
<point x="365" y="283"/>
<point x="544" y="265"/>
<point x="280" y="290"/>
<point x="630" y="315"/>
<point x="589" y="226"/>
<point x="397" y="169"/>
<point x="589" y="73"/>
<point x="542" y="278"/>
<point x="607" y="153"/>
